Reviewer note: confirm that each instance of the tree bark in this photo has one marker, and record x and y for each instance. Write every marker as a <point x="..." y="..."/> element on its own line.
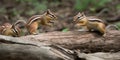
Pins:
<point x="72" y="40"/>
<point x="38" y="47"/>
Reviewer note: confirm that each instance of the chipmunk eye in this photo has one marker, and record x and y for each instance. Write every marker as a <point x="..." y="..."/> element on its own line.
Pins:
<point x="51" y="16"/>
<point x="78" y="18"/>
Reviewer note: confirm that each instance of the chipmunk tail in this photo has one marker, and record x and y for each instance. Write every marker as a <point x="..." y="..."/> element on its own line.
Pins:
<point x="19" y="23"/>
<point x="112" y="27"/>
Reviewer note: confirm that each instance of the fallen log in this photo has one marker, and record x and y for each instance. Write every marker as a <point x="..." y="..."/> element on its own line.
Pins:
<point x="99" y="56"/>
<point x="72" y="40"/>
<point x="34" y="46"/>
<point x="28" y="52"/>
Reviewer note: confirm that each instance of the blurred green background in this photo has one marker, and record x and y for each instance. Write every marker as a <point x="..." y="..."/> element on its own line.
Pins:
<point x="12" y="10"/>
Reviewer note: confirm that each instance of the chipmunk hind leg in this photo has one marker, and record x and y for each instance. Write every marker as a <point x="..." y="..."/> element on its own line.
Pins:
<point x="101" y="28"/>
<point x="32" y="29"/>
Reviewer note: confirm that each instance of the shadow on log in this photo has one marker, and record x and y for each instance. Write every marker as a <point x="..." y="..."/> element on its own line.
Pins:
<point x="28" y="52"/>
<point x="39" y="47"/>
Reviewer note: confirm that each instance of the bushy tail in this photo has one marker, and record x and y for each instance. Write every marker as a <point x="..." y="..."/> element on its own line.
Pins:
<point x="112" y="27"/>
<point x="17" y="25"/>
<point x="19" y="22"/>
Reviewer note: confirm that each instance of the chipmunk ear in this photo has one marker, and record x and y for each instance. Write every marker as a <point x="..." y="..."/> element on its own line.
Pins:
<point x="79" y="13"/>
<point x="48" y="11"/>
<point x="82" y="14"/>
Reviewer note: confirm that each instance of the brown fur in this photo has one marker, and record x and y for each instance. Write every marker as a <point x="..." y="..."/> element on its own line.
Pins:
<point x="11" y="30"/>
<point x="92" y="23"/>
<point x="45" y="19"/>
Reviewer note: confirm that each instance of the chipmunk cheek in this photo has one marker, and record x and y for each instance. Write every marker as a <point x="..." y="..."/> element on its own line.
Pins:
<point x="48" y="18"/>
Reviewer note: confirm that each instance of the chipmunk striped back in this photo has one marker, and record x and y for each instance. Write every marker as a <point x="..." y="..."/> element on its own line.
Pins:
<point x="95" y="19"/>
<point x="11" y="29"/>
<point x="33" y="18"/>
<point x="15" y="28"/>
<point x="45" y="19"/>
<point x="81" y="16"/>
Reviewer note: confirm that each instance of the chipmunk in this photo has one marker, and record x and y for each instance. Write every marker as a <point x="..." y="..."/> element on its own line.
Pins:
<point x="90" y="23"/>
<point x="11" y="30"/>
<point x="45" y="19"/>
<point x="4" y="26"/>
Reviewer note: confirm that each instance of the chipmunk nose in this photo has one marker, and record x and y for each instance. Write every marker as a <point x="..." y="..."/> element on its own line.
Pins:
<point x="55" y="17"/>
<point x="74" y="20"/>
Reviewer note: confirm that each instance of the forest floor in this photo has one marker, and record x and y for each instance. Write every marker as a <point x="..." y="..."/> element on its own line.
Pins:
<point x="12" y="11"/>
<point x="63" y="32"/>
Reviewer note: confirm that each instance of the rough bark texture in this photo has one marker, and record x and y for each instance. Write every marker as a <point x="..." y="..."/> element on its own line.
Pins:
<point x="76" y="40"/>
<point x="38" y="47"/>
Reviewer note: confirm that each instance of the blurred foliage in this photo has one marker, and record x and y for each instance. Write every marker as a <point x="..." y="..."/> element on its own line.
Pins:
<point x="81" y="4"/>
<point x="118" y="7"/>
<point x="2" y="10"/>
<point x="93" y="4"/>
<point x="38" y="6"/>
<point x="65" y="30"/>
<point x="31" y="7"/>
<point x="16" y="12"/>
<point x="118" y="24"/>
<point x="18" y="9"/>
